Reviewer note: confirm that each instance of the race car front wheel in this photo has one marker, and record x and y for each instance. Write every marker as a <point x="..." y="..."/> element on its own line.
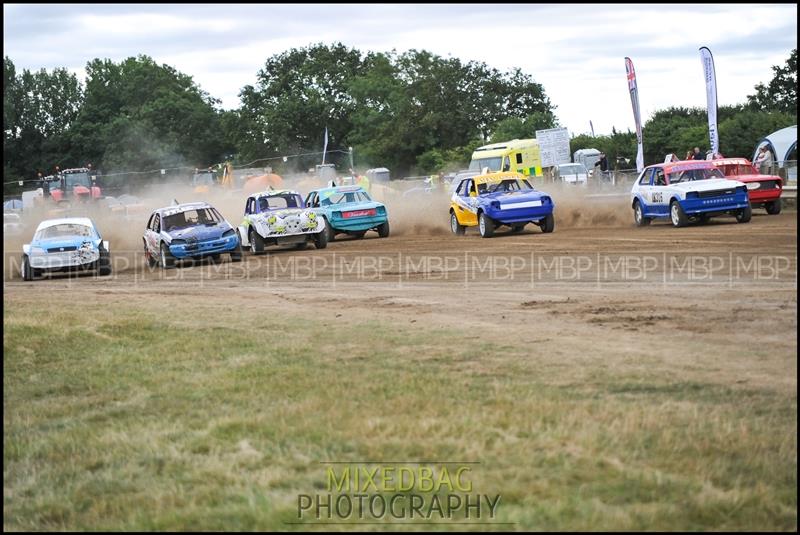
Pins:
<point x="773" y="207"/>
<point x="638" y="215"/>
<point x="548" y="224"/>
<point x="256" y="242"/>
<point x="457" y="228"/>
<point x="27" y="271"/>
<point x="151" y="260"/>
<point x="104" y="263"/>
<point x="321" y="240"/>
<point x="167" y="260"/>
<point x="485" y="225"/>
<point x="744" y="215"/>
<point x="236" y="254"/>
<point x="677" y="215"/>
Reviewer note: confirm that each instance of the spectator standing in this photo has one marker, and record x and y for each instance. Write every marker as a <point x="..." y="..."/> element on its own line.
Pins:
<point x="764" y="160"/>
<point x="603" y="164"/>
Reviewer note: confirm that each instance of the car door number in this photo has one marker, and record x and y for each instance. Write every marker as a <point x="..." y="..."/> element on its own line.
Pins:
<point x="657" y="196"/>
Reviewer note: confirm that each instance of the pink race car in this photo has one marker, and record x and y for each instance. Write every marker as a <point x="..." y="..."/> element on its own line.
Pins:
<point x="763" y="190"/>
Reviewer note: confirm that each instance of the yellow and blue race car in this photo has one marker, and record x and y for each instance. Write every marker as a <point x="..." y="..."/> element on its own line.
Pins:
<point x="496" y="199"/>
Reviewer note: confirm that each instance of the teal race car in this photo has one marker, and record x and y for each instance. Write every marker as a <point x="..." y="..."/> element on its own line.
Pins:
<point x="349" y="210"/>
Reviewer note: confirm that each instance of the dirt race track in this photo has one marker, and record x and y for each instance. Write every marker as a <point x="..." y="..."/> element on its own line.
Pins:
<point x="647" y="376"/>
<point x="605" y="279"/>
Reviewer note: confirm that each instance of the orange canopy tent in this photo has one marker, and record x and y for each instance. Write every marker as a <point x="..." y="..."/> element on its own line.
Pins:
<point x="262" y="182"/>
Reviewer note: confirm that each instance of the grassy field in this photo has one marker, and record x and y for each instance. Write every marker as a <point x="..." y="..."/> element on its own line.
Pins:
<point x="198" y="415"/>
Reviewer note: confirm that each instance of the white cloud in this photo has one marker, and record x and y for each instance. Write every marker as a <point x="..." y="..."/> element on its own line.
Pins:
<point x="575" y="51"/>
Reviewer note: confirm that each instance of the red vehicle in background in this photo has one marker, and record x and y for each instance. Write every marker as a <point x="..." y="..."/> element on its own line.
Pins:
<point x="75" y="185"/>
<point x="763" y="190"/>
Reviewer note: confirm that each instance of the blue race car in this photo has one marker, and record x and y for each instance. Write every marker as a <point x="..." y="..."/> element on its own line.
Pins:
<point x="64" y="245"/>
<point x="191" y="230"/>
<point x="495" y="199"/>
<point x="349" y="210"/>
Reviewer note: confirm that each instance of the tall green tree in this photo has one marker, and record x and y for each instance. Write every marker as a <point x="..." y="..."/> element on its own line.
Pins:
<point x="38" y="108"/>
<point x="780" y="94"/>
<point x="139" y="115"/>
<point x="414" y="107"/>
<point x="297" y="95"/>
<point x="523" y="128"/>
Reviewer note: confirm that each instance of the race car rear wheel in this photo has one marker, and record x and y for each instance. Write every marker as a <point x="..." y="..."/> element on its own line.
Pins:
<point x="548" y="224"/>
<point x="638" y="215"/>
<point x="485" y="225"/>
<point x="256" y="242"/>
<point x="744" y="215"/>
<point x="773" y="207"/>
<point x="321" y="240"/>
<point x="677" y="215"/>
<point x="167" y="260"/>
<point x="457" y="228"/>
<point x="383" y="230"/>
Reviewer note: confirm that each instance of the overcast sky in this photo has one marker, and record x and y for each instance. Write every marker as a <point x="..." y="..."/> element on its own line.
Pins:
<point x="575" y="51"/>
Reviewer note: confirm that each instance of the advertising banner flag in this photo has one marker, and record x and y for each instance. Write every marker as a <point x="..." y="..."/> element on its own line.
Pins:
<point x="636" y="115"/>
<point x="325" y="146"/>
<point x="711" y="97"/>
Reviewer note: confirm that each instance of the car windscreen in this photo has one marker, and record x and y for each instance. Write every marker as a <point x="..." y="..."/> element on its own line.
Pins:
<point x="511" y="184"/>
<point x="350" y="196"/>
<point x="64" y="230"/>
<point x="190" y="218"/>
<point x="203" y="179"/>
<point x="571" y="169"/>
<point x="492" y="163"/>
<point x="689" y="175"/>
<point x="279" y="202"/>
<point x="736" y="169"/>
<point x="77" y="179"/>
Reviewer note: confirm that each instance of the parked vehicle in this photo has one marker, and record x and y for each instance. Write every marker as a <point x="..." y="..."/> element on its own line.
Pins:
<point x="573" y="173"/>
<point x="520" y="155"/>
<point x="764" y="191"/>
<point x="12" y="224"/>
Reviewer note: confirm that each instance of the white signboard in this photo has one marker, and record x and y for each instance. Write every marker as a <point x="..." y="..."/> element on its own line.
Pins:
<point x="553" y="146"/>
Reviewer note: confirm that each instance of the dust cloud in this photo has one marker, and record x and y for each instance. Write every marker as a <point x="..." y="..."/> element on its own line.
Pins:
<point x="412" y="211"/>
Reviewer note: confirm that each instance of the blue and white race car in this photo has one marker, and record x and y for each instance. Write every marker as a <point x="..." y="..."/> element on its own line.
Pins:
<point x="496" y="199"/>
<point x="190" y="230"/>
<point x="65" y="245"/>
<point x="349" y="210"/>
<point x="687" y="191"/>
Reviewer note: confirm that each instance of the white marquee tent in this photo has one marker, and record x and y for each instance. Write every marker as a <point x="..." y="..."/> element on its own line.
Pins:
<point x="781" y="143"/>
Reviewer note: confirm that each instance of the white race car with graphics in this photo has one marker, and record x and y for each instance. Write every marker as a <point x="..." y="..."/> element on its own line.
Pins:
<point x="279" y="217"/>
<point x="687" y="191"/>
